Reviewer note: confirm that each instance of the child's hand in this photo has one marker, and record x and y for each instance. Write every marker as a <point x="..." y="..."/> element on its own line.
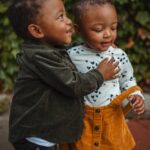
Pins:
<point x="109" y="69"/>
<point x="138" y="104"/>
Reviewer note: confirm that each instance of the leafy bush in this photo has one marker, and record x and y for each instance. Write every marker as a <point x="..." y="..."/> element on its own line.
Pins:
<point x="9" y="45"/>
<point x="134" y="34"/>
<point x="133" y="37"/>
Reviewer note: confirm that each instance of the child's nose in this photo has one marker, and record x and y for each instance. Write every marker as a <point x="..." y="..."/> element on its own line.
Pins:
<point x="68" y="21"/>
<point x="107" y="33"/>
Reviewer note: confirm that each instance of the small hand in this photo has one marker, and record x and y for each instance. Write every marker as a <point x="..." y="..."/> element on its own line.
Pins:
<point x="109" y="69"/>
<point x="138" y="104"/>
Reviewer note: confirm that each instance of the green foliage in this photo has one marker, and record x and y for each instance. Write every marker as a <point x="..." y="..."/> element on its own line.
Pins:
<point x="9" y="44"/>
<point x="134" y="34"/>
<point x="133" y="37"/>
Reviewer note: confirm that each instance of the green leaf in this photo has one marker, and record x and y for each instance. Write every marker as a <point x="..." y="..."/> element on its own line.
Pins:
<point x="3" y="8"/>
<point x="143" y="17"/>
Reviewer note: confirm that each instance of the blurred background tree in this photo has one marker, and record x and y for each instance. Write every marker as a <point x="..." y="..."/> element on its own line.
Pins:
<point x="9" y="46"/>
<point x="133" y="37"/>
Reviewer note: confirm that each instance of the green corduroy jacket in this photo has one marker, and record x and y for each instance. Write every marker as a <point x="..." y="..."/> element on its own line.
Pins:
<point x="48" y="95"/>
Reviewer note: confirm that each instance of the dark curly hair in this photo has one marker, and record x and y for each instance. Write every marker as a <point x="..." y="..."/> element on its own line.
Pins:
<point x="23" y="12"/>
<point x="80" y="5"/>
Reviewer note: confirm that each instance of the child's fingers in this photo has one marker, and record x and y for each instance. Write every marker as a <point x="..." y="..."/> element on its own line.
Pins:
<point x="116" y="73"/>
<point x="115" y="76"/>
<point x="140" y="110"/>
<point x="116" y="64"/>
<point x="117" y="70"/>
<point x="138" y="103"/>
<point x="139" y="107"/>
<point x="132" y="99"/>
<point x="112" y="60"/>
<point x="105" y="60"/>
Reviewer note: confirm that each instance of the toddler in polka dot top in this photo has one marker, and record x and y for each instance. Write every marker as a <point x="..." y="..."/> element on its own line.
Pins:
<point x="96" y="22"/>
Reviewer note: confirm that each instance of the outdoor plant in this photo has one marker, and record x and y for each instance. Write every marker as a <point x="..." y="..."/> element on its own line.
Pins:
<point x="134" y="34"/>
<point x="133" y="37"/>
<point x="9" y="45"/>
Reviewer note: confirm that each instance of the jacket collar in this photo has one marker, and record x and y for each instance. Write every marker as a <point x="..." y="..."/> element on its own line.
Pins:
<point x="29" y="48"/>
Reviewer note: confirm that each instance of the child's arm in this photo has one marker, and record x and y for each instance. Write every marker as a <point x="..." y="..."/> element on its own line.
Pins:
<point x="138" y="104"/>
<point x="127" y="78"/>
<point x="63" y="77"/>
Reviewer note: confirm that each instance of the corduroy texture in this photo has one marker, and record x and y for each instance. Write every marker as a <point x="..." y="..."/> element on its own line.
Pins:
<point x="105" y="127"/>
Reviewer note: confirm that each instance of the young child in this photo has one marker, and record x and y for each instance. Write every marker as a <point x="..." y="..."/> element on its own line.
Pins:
<point x="47" y="106"/>
<point x="104" y="123"/>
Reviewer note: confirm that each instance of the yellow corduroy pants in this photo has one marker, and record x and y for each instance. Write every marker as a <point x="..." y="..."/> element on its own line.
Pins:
<point x="105" y="127"/>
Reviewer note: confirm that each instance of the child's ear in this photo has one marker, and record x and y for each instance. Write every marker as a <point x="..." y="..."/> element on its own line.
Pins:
<point x="35" y="31"/>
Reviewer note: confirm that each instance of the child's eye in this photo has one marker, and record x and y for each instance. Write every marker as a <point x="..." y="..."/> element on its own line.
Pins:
<point x="61" y="17"/>
<point x="97" y="30"/>
<point x="113" y="29"/>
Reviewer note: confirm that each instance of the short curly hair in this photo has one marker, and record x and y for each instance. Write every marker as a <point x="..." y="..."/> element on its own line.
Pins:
<point x="80" y="5"/>
<point x="23" y="12"/>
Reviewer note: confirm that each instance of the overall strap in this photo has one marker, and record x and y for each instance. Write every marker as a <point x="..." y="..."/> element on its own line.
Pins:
<point x="123" y="96"/>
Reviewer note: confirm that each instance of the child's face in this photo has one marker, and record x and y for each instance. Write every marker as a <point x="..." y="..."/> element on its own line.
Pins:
<point x="98" y="26"/>
<point x="55" y="26"/>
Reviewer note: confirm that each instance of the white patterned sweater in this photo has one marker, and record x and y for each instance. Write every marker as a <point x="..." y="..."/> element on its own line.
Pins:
<point x="86" y="59"/>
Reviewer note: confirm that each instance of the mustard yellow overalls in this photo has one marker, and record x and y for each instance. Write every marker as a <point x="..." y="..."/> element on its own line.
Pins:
<point x="105" y="127"/>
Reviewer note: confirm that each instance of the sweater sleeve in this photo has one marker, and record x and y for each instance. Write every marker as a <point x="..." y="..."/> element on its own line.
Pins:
<point x="59" y="74"/>
<point x="127" y="78"/>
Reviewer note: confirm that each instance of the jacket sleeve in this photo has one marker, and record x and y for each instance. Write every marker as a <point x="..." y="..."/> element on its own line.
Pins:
<point x="55" y="72"/>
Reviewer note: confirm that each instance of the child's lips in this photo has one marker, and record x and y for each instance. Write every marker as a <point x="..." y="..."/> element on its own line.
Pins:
<point x="106" y="44"/>
<point x="69" y="32"/>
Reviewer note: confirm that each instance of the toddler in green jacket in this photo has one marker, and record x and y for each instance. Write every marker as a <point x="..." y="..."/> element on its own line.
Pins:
<point x="47" y="105"/>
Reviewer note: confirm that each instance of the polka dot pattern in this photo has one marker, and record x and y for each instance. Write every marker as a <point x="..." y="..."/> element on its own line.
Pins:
<point x="87" y="59"/>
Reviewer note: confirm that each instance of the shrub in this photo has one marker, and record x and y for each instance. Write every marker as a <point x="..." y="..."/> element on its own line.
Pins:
<point x="133" y="37"/>
<point x="9" y="46"/>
